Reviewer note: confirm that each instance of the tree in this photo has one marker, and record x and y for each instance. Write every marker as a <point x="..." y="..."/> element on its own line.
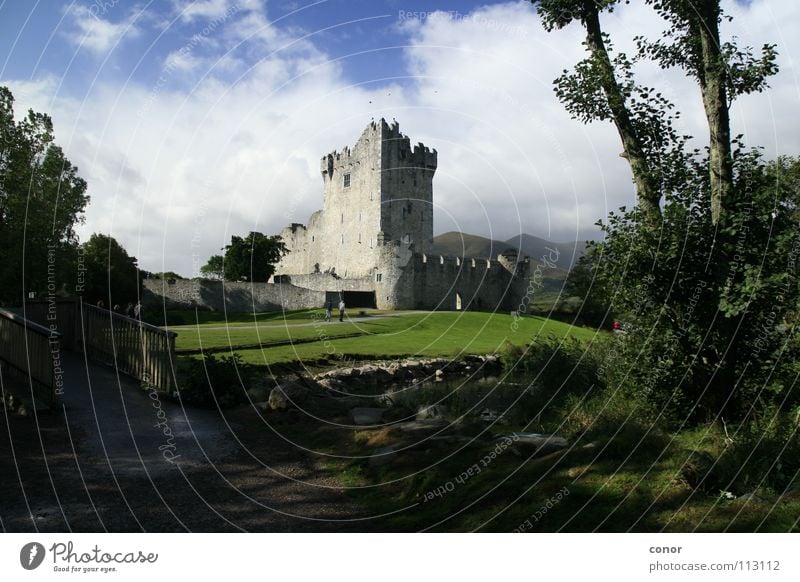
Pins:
<point x="253" y="257"/>
<point x="698" y="276"/>
<point x="602" y="88"/>
<point x="583" y="282"/>
<point x="214" y="268"/>
<point x="42" y="197"/>
<point x="111" y="274"/>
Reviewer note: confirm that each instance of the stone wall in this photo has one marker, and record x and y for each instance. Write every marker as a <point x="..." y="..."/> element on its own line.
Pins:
<point x="234" y="297"/>
<point x="448" y="283"/>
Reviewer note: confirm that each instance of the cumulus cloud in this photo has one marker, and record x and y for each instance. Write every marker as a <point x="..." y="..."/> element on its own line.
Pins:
<point x="96" y="34"/>
<point x="230" y="139"/>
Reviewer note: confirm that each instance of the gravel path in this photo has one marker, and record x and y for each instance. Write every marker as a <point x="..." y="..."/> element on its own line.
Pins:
<point x="117" y="458"/>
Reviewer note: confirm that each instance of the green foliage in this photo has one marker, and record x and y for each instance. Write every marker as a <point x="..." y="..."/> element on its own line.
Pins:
<point x="711" y="312"/>
<point x="41" y="199"/>
<point x="583" y="284"/>
<point x="252" y="258"/>
<point x="214" y="268"/>
<point x="167" y="275"/>
<point x="212" y="382"/>
<point x="111" y="274"/>
<point x="764" y="453"/>
<point x="556" y="366"/>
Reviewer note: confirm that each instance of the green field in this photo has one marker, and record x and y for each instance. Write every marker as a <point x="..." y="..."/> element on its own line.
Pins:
<point x="301" y="337"/>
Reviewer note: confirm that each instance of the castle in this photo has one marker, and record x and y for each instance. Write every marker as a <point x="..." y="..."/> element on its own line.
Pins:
<point x="370" y="244"/>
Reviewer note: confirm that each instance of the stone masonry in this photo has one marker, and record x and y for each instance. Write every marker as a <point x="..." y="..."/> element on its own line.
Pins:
<point x="375" y="228"/>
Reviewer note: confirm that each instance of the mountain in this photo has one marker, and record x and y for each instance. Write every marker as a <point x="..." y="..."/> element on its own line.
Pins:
<point x="457" y="244"/>
<point x="470" y="245"/>
<point x="533" y="246"/>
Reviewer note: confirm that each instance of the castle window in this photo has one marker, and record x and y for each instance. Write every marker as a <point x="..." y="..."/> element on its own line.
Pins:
<point x="312" y="238"/>
<point x="359" y="238"/>
<point x="378" y="277"/>
<point x="342" y="217"/>
<point x="347" y="180"/>
<point x="342" y="238"/>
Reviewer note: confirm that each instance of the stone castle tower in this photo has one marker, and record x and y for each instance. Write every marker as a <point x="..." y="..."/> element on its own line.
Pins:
<point x="371" y="240"/>
<point x="381" y="190"/>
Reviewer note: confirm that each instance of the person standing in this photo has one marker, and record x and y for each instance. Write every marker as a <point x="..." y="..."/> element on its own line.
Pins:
<point x="137" y="310"/>
<point x="341" y="309"/>
<point x="328" y="308"/>
<point x="129" y="309"/>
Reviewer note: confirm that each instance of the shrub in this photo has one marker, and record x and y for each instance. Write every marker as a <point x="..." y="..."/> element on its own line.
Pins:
<point x="212" y="382"/>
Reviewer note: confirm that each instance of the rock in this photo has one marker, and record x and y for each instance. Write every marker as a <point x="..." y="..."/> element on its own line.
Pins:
<point x="382" y="456"/>
<point x="751" y="498"/>
<point x="544" y="444"/>
<point x="426" y="411"/>
<point x="488" y="415"/>
<point x="422" y="425"/>
<point x="365" y="416"/>
<point x="257" y="393"/>
<point x="287" y="395"/>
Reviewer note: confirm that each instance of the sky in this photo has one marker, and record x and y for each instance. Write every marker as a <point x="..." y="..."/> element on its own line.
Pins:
<point x="193" y="121"/>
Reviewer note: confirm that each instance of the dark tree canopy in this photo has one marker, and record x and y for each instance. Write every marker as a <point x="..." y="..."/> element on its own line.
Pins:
<point x="111" y="274"/>
<point x="42" y="198"/>
<point x="250" y="258"/>
<point x="214" y="268"/>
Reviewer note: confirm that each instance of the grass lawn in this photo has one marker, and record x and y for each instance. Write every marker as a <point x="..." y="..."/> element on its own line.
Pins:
<point x="414" y="334"/>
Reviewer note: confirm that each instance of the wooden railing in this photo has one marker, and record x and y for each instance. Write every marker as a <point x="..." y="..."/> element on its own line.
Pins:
<point x="133" y="347"/>
<point x="33" y="352"/>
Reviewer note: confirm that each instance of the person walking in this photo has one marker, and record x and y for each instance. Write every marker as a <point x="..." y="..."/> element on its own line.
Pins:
<point x="341" y="310"/>
<point x="328" y="307"/>
<point x="137" y="310"/>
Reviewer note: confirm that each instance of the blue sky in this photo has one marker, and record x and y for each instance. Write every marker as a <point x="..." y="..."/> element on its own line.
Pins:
<point x="196" y="120"/>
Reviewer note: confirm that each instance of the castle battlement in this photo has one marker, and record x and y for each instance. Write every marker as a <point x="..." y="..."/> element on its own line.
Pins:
<point x="375" y="226"/>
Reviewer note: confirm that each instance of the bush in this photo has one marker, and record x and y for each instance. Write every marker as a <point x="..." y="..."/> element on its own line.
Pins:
<point x="558" y="366"/>
<point x="761" y="454"/>
<point x="213" y="382"/>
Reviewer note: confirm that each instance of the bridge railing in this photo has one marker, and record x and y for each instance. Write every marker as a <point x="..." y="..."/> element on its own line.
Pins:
<point x="33" y="352"/>
<point x="134" y="347"/>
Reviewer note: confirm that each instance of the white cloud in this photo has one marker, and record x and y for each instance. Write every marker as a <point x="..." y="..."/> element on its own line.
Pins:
<point x="174" y="172"/>
<point x="96" y="34"/>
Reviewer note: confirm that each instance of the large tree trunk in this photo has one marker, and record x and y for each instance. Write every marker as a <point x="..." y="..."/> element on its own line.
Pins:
<point x="713" y="84"/>
<point x="647" y="189"/>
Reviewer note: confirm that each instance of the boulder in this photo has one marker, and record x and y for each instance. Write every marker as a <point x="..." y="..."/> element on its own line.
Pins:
<point x="543" y="444"/>
<point x="427" y="411"/>
<point x="257" y="393"/>
<point x="429" y="424"/>
<point x="287" y="395"/>
<point x="751" y="498"/>
<point x="364" y="416"/>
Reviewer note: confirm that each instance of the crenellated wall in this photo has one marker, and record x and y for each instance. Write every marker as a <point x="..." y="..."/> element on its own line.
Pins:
<point x="375" y="227"/>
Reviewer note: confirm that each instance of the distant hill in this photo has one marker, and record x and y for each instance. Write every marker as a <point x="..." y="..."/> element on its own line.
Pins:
<point x="535" y="247"/>
<point x="457" y="244"/>
<point x="471" y="245"/>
